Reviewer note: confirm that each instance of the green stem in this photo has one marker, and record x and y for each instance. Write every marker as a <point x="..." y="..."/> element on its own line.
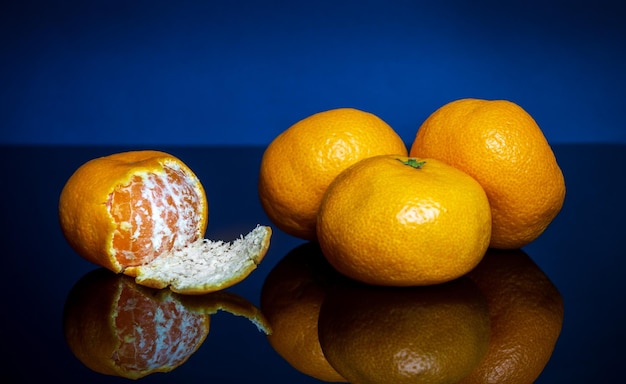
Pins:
<point x="413" y="162"/>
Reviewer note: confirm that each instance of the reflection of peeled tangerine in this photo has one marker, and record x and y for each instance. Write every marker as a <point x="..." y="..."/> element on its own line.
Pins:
<point x="290" y="299"/>
<point x="116" y="327"/>
<point x="526" y="312"/>
<point x="429" y="334"/>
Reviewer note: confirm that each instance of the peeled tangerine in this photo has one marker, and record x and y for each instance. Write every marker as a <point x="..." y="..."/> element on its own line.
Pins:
<point x="144" y="214"/>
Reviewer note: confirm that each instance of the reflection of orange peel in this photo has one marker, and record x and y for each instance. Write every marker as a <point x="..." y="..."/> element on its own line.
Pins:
<point x="229" y="302"/>
<point x="116" y="327"/>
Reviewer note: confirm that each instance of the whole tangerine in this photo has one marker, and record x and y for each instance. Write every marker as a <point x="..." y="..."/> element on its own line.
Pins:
<point x="393" y="220"/>
<point x="499" y="144"/>
<point x="299" y="164"/>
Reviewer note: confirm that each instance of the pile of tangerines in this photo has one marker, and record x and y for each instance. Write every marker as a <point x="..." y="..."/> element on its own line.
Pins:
<point x="411" y="226"/>
<point x="479" y="174"/>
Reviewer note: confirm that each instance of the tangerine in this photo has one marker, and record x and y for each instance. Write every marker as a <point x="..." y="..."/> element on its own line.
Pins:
<point x="393" y="220"/>
<point x="499" y="144"/>
<point x="144" y="213"/>
<point x="299" y="164"/>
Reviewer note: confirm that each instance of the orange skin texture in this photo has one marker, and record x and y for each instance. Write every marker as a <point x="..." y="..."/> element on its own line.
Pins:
<point x="300" y="163"/>
<point x="384" y="222"/>
<point x="87" y="222"/>
<point x="502" y="147"/>
<point x="526" y="312"/>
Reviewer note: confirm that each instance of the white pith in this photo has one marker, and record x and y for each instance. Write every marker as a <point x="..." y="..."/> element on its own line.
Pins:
<point x="186" y="211"/>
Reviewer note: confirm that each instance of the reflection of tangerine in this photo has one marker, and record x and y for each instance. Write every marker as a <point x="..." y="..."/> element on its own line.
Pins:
<point x="432" y="334"/>
<point x="117" y="327"/>
<point x="290" y="299"/>
<point x="144" y="213"/>
<point x="526" y="312"/>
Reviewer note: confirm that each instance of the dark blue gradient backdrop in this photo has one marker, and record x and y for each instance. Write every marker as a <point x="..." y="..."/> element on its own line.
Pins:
<point x="239" y="72"/>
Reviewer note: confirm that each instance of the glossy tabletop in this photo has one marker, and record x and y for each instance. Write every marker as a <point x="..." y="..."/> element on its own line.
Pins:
<point x="581" y="252"/>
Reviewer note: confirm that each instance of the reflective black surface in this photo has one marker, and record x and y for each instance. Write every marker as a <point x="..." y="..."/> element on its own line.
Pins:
<point x="581" y="252"/>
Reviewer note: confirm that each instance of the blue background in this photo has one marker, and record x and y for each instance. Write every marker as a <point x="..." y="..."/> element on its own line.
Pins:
<point x="240" y="72"/>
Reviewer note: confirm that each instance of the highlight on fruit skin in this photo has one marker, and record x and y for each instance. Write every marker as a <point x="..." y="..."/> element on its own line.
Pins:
<point x="116" y="327"/>
<point x="144" y="214"/>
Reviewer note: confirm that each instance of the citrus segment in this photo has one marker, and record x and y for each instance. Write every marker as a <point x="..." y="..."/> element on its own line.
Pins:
<point x="154" y="213"/>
